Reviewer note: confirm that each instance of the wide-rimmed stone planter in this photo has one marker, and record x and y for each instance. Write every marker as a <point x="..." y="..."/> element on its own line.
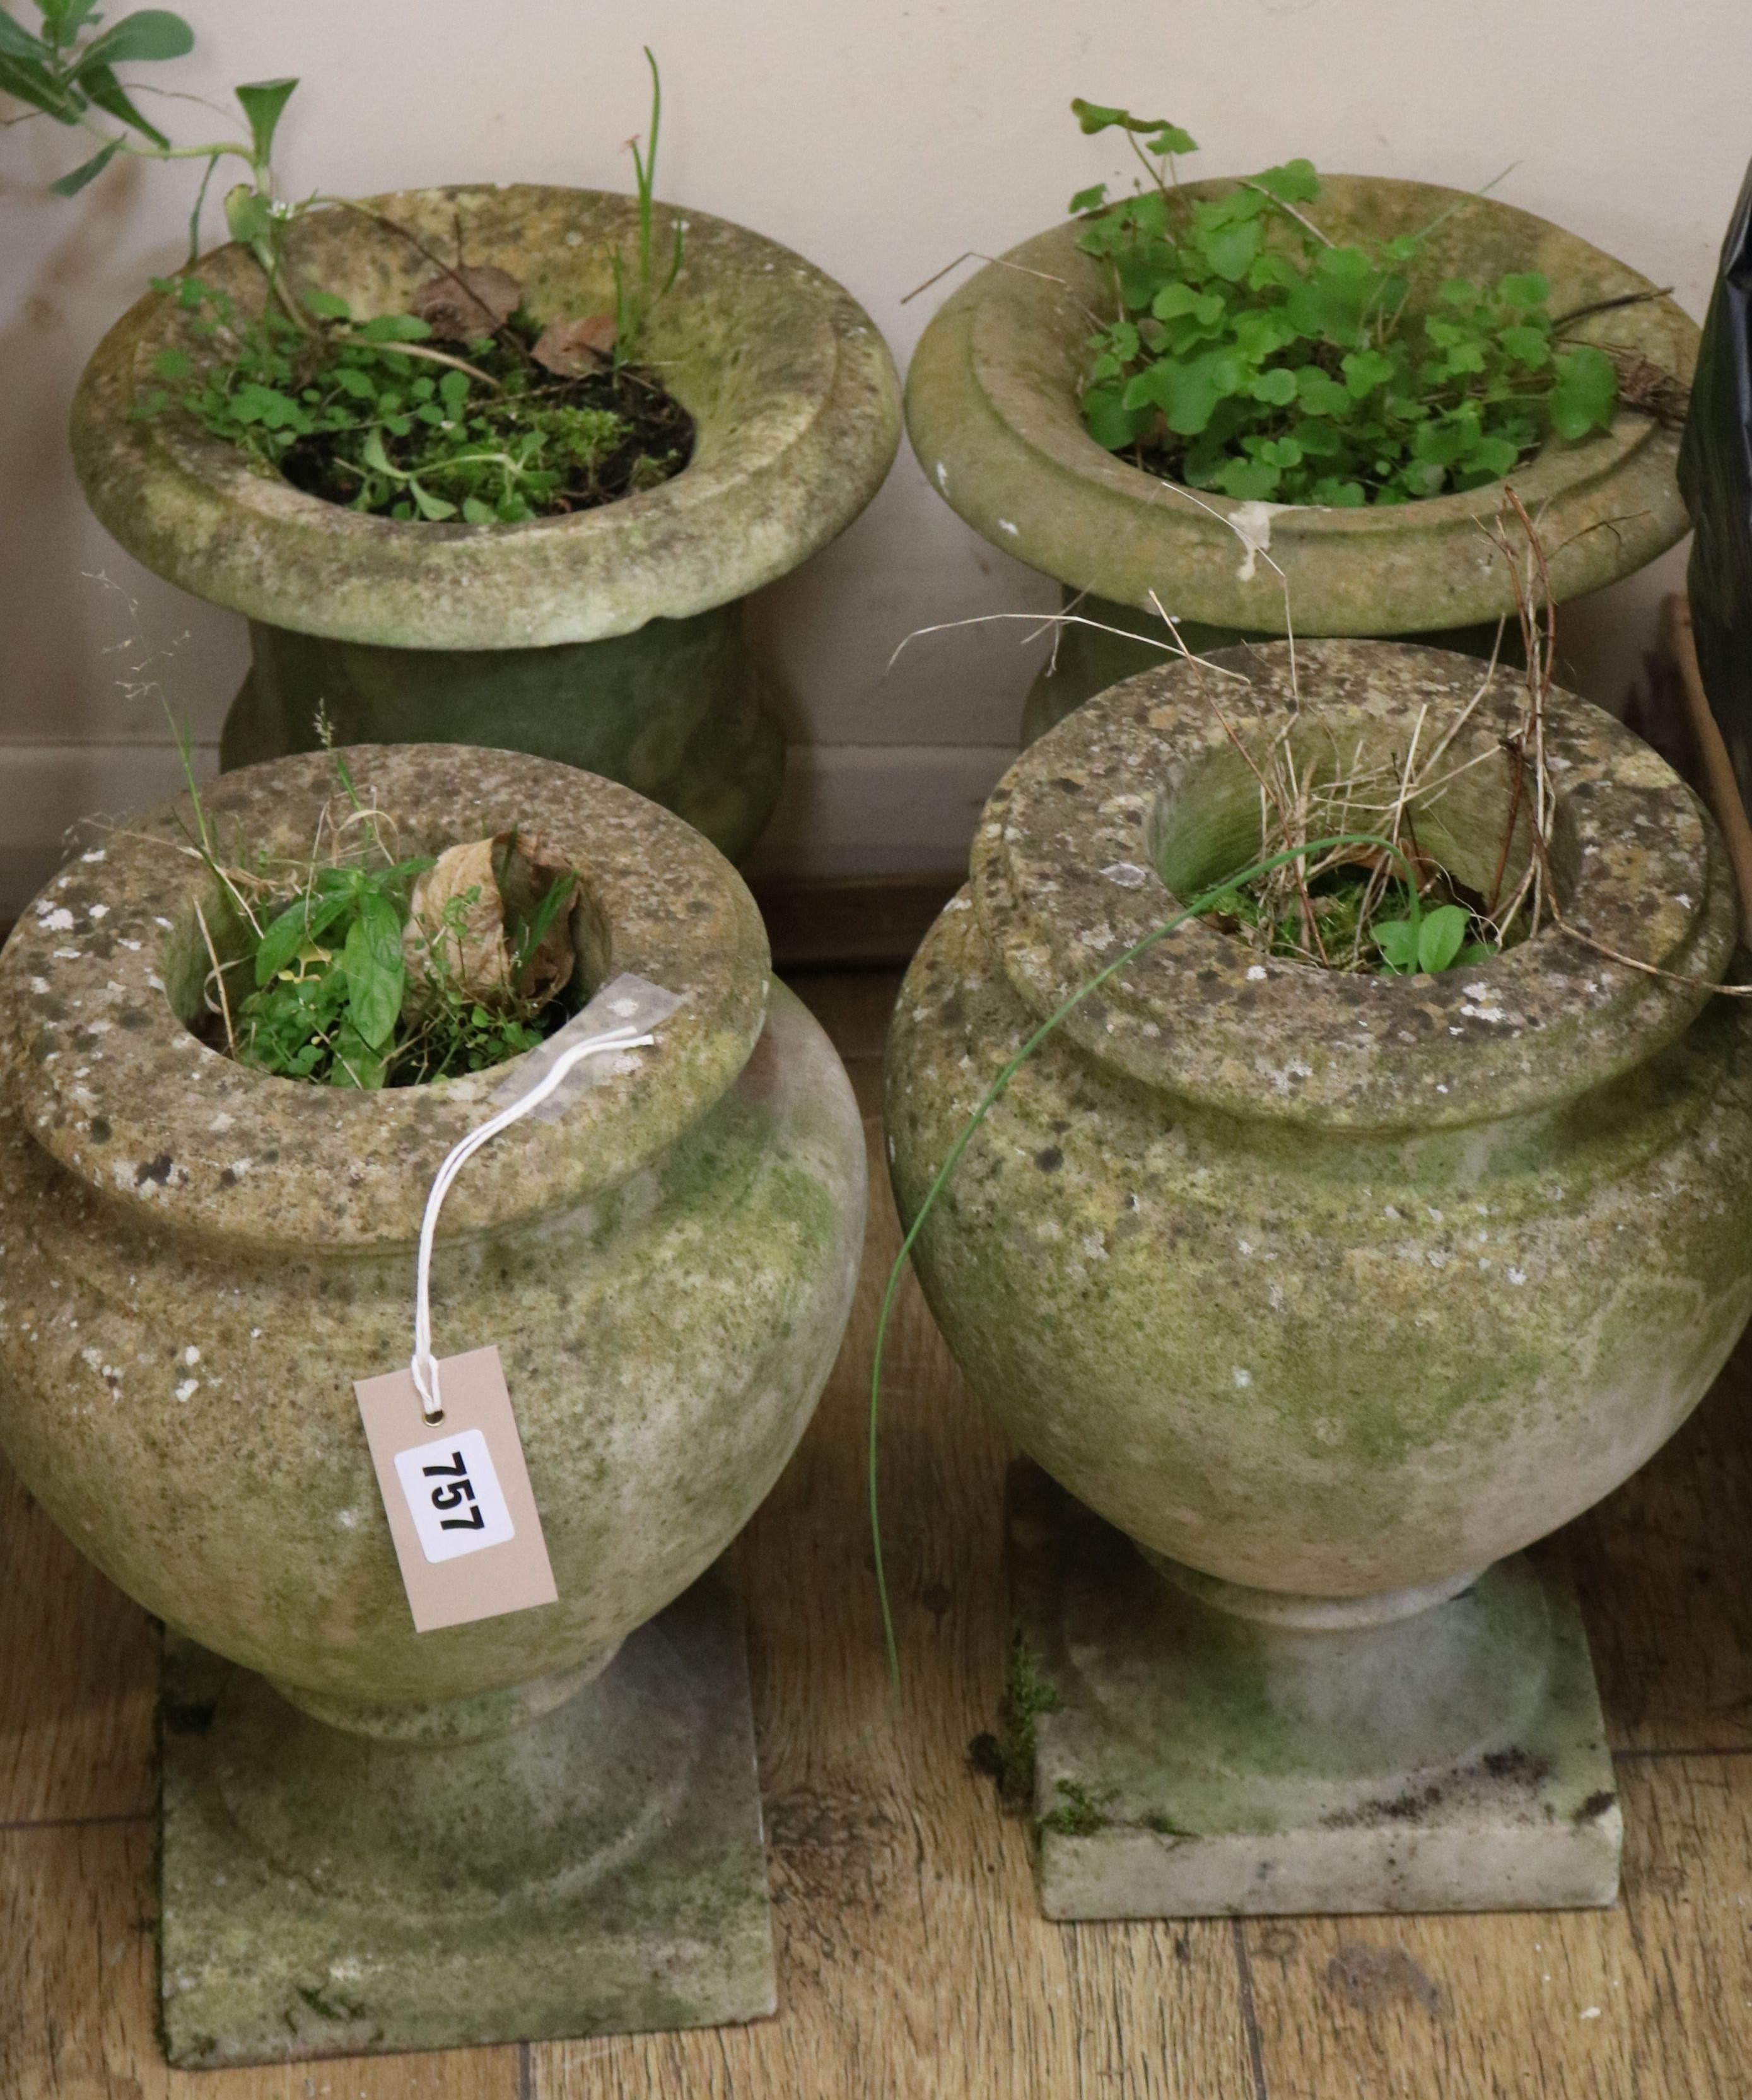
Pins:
<point x="541" y="1824"/>
<point x="611" y="638"/>
<point x="993" y="409"/>
<point x="1323" y="1294"/>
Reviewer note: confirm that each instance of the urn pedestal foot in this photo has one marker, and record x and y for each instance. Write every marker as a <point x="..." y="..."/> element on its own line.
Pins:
<point x="598" y="1869"/>
<point x="1201" y="1761"/>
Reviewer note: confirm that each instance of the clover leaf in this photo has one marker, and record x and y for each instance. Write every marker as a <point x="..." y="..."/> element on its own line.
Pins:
<point x="1247" y="352"/>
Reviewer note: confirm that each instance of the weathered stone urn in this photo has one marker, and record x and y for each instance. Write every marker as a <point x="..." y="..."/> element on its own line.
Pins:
<point x="1320" y="1296"/>
<point x="534" y="1825"/>
<point x="611" y="638"/>
<point x="993" y="411"/>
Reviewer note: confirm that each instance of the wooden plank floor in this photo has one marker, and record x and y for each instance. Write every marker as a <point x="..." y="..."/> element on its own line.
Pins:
<point x="912" y="1958"/>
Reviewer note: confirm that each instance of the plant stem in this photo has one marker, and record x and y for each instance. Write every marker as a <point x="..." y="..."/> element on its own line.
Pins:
<point x="1300" y="220"/>
<point x="125" y="142"/>
<point x="431" y="356"/>
<point x="219" y="975"/>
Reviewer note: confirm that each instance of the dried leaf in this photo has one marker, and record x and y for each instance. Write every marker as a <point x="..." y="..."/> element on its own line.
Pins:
<point x="460" y="305"/>
<point x="456" y="925"/>
<point x="476" y="911"/>
<point x="572" y="348"/>
<point x="1644" y="385"/>
<point x="526" y="869"/>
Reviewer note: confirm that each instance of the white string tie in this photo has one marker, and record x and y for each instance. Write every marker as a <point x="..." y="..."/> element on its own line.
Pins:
<point x="423" y="1365"/>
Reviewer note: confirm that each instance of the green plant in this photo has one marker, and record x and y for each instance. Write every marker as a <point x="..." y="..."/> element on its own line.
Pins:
<point x="1337" y="914"/>
<point x="1249" y="353"/>
<point x="351" y="410"/>
<point x="1440" y="942"/>
<point x="345" y="408"/>
<point x="633" y="301"/>
<point x="329" y="978"/>
<point x="68" y="72"/>
<point x="349" y="980"/>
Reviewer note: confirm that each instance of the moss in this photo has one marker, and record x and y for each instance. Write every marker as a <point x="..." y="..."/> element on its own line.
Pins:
<point x="1008" y="1756"/>
<point x="329" y="2007"/>
<point x="1077" y="1814"/>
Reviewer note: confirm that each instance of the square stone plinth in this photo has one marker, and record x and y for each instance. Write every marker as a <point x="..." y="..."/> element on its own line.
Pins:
<point x="1197" y="1764"/>
<point x="605" y="1869"/>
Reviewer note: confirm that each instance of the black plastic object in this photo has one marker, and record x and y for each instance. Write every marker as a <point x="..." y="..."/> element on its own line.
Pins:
<point x="1716" y="477"/>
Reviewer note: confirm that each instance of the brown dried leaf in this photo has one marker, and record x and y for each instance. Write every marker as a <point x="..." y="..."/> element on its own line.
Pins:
<point x="470" y="951"/>
<point x="571" y="348"/>
<point x="460" y="305"/>
<point x="525" y="868"/>
<point x="1646" y="385"/>
<point x="470" y="915"/>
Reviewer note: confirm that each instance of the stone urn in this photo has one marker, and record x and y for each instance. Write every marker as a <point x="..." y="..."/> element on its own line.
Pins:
<point x="536" y="1824"/>
<point x="1318" y="1297"/>
<point x="993" y="411"/>
<point x="611" y="638"/>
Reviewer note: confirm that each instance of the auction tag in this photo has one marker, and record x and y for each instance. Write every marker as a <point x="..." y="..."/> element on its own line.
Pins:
<point x="456" y="1493"/>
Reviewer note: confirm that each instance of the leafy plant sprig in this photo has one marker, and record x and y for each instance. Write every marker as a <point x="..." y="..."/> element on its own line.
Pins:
<point x="325" y="952"/>
<point x="329" y="977"/>
<point x="1355" y="930"/>
<point x="330" y="1000"/>
<point x="303" y="389"/>
<point x="1441" y="942"/>
<point x="350" y="414"/>
<point x="67" y="70"/>
<point x="1251" y="354"/>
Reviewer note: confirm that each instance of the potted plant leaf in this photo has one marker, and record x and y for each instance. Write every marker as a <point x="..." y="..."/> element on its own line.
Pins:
<point x="1286" y="404"/>
<point x="239" y="1036"/>
<point x="482" y="464"/>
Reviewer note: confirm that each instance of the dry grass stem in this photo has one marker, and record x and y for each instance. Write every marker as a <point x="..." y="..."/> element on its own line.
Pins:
<point x="217" y="977"/>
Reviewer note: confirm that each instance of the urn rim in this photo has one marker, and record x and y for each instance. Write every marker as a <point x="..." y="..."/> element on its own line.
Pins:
<point x="993" y="413"/>
<point x="793" y="391"/>
<point x="1065" y="877"/>
<point x="111" y="1082"/>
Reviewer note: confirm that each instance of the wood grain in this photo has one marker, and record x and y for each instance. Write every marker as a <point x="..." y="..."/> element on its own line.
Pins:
<point x="1650" y="2001"/>
<point x="912" y="1957"/>
<point x="1665" y="1573"/>
<point x="78" y="1677"/>
<point x="913" y="1960"/>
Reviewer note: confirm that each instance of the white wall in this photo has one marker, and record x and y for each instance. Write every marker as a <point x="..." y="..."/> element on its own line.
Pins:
<point x="881" y="137"/>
